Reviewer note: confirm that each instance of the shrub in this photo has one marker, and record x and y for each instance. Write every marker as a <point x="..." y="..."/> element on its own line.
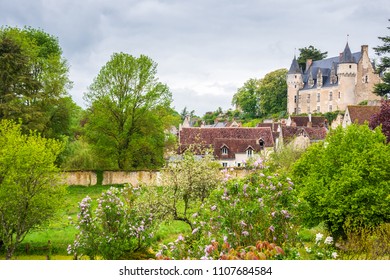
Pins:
<point x="117" y="227"/>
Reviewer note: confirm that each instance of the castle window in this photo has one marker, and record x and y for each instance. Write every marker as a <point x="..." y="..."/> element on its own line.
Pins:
<point x="308" y="98"/>
<point x="318" y="109"/>
<point x="339" y="94"/>
<point x="330" y="96"/>
<point x="295" y="99"/>
<point x="365" y="79"/>
<point x="350" y="66"/>
<point x="225" y="150"/>
<point x="330" y="108"/>
<point x="308" y="109"/>
<point x="318" y="97"/>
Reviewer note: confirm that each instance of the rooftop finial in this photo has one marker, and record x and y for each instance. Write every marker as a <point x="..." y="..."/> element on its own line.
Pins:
<point x="347" y="37"/>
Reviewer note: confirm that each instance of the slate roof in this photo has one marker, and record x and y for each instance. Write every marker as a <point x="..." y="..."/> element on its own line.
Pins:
<point x="294" y="68"/>
<point x="236" y="139"/>
<point x="326" y="65"/>
<point x="360" y="114"/>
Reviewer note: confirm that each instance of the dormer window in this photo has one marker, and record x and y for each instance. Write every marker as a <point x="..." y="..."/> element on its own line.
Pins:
<point x="249" y="152"/>
<point x="225" y="151"/>
<point x="319" y="78"/>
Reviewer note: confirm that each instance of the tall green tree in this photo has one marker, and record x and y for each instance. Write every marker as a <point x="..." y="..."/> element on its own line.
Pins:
<point x="127" y="105"/>
<point x="383" y="88"/>
<point x="246" y="98"/>
<point x="273" y="93"/>
<point x="345" y="180"/>
<point x="30" y="188"/>
<point x="33" y="79"/>
<point x="309" y="53"/>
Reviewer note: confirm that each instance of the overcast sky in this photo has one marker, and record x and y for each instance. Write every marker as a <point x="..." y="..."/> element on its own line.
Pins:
<point x="205" y="49"/>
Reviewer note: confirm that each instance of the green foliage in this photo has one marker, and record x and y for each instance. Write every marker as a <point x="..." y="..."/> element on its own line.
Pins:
<point x="309" y="53"/>
<point x="128" y="107"/>
<point x="284" y="158"/>
<point x="263" y="97"/>
<point x="34" y="80"/>
<point x="366" y="243"/>
<point x="273" y="93"/>
<point x="246" y="98"/>
<point x="383" y="88"/>
<point x="30" y="192"/>
<point x="345" y="178"/>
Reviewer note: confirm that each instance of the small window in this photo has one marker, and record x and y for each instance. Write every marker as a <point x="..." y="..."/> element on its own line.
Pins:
<point x="339" y="94"/>
<point x="330" y="96"/>
<point x="238" y="164"/>
<point x="224" y="164"/>
<point x="318" y="97"/>
<point x="249" y="152"/>
<point x="330" y="108"/>
<point x="261" y="143"/>
<point x="308" y="98"/>
<point x="225" y="151"/>
<point x="295" y="99"/>
<point x="350" y="66"/>
<point x="318" y="109"/>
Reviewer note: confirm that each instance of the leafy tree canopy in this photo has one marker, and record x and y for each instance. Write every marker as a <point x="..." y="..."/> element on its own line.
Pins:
<point x="33" y="80"/>
<point x="382" y="118"/>
<point x="30" y="192"/>
<point x="345" y="179"/>
<point x="309" y="53"/>
<point x="126" y="114"/>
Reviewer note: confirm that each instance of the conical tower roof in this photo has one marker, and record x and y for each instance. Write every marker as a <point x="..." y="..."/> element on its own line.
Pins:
<point x="346" y="56"/>
<point x="294" y="68"/>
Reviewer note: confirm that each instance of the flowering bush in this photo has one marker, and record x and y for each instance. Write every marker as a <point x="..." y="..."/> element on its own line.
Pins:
<point x="238" y="214"/>
<point x="117" y="226"/>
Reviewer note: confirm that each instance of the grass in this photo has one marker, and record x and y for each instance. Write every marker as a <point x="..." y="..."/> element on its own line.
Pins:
<point x="60" y="232"/>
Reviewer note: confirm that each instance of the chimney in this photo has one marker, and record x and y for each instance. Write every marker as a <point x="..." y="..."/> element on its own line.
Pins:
<point x="309" y="123"/>
<point x="364" y="49"/>
<point x="309" y="61"/>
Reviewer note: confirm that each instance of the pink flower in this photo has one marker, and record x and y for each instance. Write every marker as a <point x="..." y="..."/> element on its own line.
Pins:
<point x="272" y="228"/>
<point x="213" y="207"/>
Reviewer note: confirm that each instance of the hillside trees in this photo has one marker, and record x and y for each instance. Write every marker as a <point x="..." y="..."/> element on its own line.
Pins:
<point x="345" y="179"/>
<point x="263" y="97"/>
<point x="127" y="110"/>
<point x="383" y="89"/>
<point x="34" y="81"/>
<point x="30" y="192"/>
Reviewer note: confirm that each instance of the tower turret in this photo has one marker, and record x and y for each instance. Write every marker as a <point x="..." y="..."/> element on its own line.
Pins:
<point x="346" y="72"/>
<point x="294" y="84"/>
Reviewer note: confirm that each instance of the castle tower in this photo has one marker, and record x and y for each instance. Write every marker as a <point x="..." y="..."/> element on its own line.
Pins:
<point x="347" y="77"/>
<point x="294" y="84"/>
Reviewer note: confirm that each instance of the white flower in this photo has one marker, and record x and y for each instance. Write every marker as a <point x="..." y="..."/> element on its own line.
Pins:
<point x="213" y="207"/>
<point x="328" y="240"/>
<point x="245" y="233"/>
<point x="334" y="255"/>
<point x="308" y="249"/>
<point x="319" y="237"/>
<point x="195" y="231"/>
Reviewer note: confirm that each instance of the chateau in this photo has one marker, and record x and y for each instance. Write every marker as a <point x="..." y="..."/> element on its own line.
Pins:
<point x="331" y="84"/>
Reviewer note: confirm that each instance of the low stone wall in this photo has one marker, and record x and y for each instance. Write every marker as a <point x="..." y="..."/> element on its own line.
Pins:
<point x="148" y="178"/>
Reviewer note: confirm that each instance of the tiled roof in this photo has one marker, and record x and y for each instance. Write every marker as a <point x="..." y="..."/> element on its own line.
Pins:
<point x="314" y="133"/>
<point x="303" y="120"/>
<point x="273" y="126"/>
<point x="237" y="139"/>
<point x="359" y="114"/>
